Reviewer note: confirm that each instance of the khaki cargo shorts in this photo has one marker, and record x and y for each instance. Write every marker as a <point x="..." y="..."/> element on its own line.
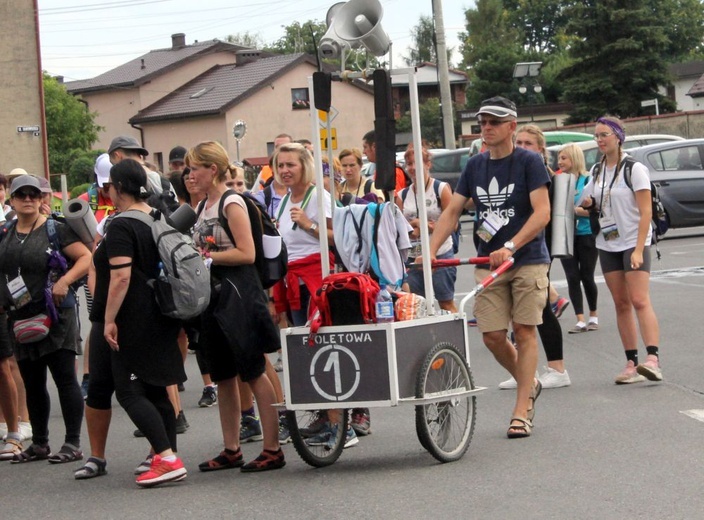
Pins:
<point x="519" y="295"/>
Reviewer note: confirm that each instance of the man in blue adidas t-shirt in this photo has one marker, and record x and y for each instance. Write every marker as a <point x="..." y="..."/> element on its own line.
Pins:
<point x="508" y="187"/>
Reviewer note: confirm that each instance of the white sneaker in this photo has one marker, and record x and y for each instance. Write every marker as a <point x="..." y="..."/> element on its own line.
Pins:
<point x="511" y="383"/>
<point x="25" y="431"/>
<point x="3" y="430"/>
<point x="554" y="378"/>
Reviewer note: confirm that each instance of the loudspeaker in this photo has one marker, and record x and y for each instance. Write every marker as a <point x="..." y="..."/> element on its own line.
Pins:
<point x="331" y="45"/>
<point x="385" y="132"/>
<point x="322" y="90"/>
<point x="359" y="21"/>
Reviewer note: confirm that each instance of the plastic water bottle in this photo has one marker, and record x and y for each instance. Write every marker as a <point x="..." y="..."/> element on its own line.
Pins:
<point x="384" y="306"/>
<point x="162" y="274"/>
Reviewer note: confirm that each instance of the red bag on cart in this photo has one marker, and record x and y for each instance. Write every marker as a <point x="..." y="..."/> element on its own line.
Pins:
<point x="344" y="299"/>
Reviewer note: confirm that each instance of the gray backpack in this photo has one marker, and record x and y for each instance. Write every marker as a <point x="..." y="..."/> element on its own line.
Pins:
<point x="183" y="286"/>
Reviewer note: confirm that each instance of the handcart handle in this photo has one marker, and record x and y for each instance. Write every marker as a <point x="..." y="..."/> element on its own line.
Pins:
<point x="450" y="262"/>
<point x="487" y="281"/>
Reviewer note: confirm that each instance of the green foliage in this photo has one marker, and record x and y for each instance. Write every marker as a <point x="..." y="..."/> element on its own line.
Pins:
<point x="79" y="190"/>
<point x="538" y="21"/>
<point x="617" y="59"/>
<point x="430" y="122"/>
<point x="81" y="170"/>
<point x="423" y="46"/>
<point x="71" y="128"/>
<point x="298" y="37"/>
<point x="246" y="39"/>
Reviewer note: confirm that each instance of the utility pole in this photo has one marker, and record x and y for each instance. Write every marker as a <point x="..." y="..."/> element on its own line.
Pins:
<point x="443" y="76"/>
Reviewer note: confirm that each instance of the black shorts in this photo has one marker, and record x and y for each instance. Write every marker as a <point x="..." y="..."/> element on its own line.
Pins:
<point x="621" y="261"/>
<point x="6" y="349"/>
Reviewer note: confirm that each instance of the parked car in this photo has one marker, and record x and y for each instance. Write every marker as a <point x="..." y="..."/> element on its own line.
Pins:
<point x="560" y="137"/>
<point x="447" y="165"/>
<point x="591" y="150"/>
<point x="677" y="169"/>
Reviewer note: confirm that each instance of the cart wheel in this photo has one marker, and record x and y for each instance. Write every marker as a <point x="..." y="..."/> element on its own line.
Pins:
<point x="321" y="455"/>
<point x="445" y="428"/>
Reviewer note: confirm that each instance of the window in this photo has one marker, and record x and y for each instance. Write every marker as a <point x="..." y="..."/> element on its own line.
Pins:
<point x="300" y="100"/>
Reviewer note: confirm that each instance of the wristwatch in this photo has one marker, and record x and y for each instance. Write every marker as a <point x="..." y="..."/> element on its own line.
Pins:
<point x="313" y="227"/>
<point x="510" y="246"/>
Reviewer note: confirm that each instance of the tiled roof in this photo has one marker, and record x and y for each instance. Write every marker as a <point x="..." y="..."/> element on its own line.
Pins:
<point x="697" y="89"/>
<point x="147" y="66"/>
<point x="689" y="69"/>
<point x="217" y="89"/>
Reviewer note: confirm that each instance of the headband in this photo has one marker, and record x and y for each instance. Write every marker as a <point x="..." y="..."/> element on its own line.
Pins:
<point x="618" y="130"/>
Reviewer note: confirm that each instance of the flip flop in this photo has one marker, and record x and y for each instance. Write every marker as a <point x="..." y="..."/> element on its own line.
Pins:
<point x="534" y="394"/>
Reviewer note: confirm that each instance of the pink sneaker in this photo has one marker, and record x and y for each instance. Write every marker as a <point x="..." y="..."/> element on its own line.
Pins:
<point x="629" y="375"/>
<point x="162" y="471"/>
<point x="650" y="369"/>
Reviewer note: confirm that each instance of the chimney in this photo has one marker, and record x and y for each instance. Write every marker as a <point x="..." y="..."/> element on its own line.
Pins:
<point x="178" y="41"/>
<point x="246" y="56"/>
<point x="143" y="66"/>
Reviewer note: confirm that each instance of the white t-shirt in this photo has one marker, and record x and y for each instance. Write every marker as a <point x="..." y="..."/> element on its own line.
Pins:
<point x="433" y="210"/>
<point x="299" y="243"/>
<point x="208" y="224"/>
<point x="619" y="203"/>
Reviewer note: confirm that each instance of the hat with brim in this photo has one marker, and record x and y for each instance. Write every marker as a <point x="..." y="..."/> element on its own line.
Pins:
<point x="24" y="181"/>
<point x="498" y="106"/>
<point x="178" y="153"/>
<point x="126" y="142"/>
<point x="102" y="169"/>
<point x="16" y="173"/>
<point x="44" y="185"/>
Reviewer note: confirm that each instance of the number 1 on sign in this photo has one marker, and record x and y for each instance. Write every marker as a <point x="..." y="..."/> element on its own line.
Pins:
<point x="333" y="364"/>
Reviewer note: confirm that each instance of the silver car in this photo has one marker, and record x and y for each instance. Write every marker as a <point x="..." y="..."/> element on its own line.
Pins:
<point x="677" y="169"/>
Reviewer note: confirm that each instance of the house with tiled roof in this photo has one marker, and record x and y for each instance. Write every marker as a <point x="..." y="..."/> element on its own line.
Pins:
<point x="186" y="103"/>
<point x="687" y="85"/>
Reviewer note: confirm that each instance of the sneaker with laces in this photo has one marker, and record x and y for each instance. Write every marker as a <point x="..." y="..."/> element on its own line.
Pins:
<point x="181" y="423"/>
<point x="351" y="438"/>
<point x="326" y="437"/>
<point x="510" y="384"/>
<point x="360" y="421"/>
<point x="650" y="369"/>
<point x="144" y="465"/>
<point x="554" y="378"/>
<point x="559" y="306"/>
<point x="592" y="325"/>
<point x="162" y="471"/>
<point x="284" y="434"/>
<point x="209" y="397"/>
<point x="578" y="329"/>
<point x="25" y="431"/>
<point x="629" y="375"/>
<point x="315" y="427"/>
<point x="250" y="429"/>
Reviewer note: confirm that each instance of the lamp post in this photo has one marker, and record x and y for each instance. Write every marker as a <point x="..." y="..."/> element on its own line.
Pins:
<point x="524" y="70"/>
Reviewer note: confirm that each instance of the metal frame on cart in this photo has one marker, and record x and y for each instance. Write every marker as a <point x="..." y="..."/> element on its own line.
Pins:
<point x="422" y="362"/>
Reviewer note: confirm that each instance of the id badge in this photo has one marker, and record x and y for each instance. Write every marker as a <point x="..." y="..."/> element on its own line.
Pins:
<point x="20" y="293"/>
<point x="609" y="230"/>
<point x="490" y="226"/>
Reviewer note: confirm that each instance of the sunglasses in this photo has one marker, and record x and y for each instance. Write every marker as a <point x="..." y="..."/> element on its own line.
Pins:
<point x="34" y="195"/>
<point x="491" y="122"/>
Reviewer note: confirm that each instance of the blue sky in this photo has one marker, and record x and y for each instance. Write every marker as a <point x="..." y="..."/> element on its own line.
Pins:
<point x="83" y="38"/>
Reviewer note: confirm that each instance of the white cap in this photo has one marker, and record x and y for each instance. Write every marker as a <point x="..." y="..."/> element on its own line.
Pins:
<point x="102" y="169"/>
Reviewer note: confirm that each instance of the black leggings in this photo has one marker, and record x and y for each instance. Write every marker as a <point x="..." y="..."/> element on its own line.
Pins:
<point x="550" y="331"/>
<point x="580" y="269"/>
<point x="100" y="385"/>
<point x="62" y="365"/>
<point x="147" y="405"/>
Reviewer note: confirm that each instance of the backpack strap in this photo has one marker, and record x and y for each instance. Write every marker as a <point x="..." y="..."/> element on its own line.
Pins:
<point x="268" y="196"/>
<point x="282" y="205"/>
<point x="628" y="163"/>
<point x="136" y="215"/>
<point x="53" y="235"/>
<point x="403" y="194"/>
<point x="368" y="186"/>
<point x="222" y="219"/>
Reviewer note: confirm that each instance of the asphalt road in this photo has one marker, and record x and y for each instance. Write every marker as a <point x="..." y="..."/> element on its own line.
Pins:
<point x="598" y="450"/>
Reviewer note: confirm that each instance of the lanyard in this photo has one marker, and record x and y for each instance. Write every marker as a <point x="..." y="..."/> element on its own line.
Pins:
<point x="603" y="185"/>
<point x="284" y="201"/>
<point x="415" y="195"/>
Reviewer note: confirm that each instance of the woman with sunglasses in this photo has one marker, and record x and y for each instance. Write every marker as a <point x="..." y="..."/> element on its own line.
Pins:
<point x="34" y="286"/>
<point x="625" y="213"/>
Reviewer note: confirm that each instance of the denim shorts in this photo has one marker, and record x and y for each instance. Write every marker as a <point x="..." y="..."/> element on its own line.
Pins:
<point x="443" y="280"/>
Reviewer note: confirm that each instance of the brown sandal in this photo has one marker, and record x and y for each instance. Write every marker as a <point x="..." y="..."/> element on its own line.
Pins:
<point x="534" y="394"/>
<point x="227" y="459"/>
<point x="519" y="431"/>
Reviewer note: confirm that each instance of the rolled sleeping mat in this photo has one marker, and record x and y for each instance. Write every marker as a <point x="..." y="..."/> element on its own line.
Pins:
<point x="182" y="219"/>
<point x="562" y="221"/>
<point x="80" y="218"/>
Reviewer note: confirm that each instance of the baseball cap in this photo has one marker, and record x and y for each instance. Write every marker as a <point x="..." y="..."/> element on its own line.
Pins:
<point x="23" y="181"/>
<point x="498" y="106"/>
<point x="102" y="169"/>
<point x="44" y="185"/>
<point x="177" y="153"/>
<point x="126" y="142"/>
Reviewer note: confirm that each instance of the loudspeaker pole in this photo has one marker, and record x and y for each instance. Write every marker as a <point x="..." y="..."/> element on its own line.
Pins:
<point x="444" y="76"/>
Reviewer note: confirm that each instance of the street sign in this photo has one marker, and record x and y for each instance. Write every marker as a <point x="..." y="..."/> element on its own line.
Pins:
<point x="29" y="129"/>
<point x="323" y="116"/>
<point x="324" y="138"/>
<point x="649" y="103"/>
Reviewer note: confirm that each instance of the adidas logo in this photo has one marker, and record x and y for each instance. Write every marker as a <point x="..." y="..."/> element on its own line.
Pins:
<point x="496" y="196"/>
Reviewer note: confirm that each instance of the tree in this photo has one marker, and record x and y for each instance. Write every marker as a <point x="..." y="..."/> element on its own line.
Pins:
<point x="70" y="126"/>
<point x="423" y="47"/>
<point x="430" y="122"/>
<point x="538" y="21"/>
<point x="298" y="37"/>
<point x="246" y="39"/>
<point x="618" y="60"/>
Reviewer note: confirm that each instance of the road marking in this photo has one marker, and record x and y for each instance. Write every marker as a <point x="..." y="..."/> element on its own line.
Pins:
<point x="694" y="414"/>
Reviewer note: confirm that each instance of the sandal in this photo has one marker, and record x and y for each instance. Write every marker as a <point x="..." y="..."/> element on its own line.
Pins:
<point x="519" y="431"/>
<point x="267" y="460"/>
<point x="227" y="459"/>
<point x="34" y="452"/>
<point x="92" y="468"/>
<point x="67" y="453"/>
<point x="12" y="447"/>
<point x="534" y="394"/>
